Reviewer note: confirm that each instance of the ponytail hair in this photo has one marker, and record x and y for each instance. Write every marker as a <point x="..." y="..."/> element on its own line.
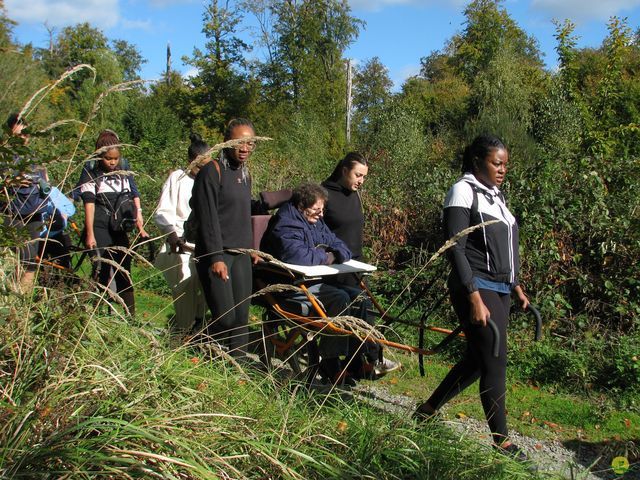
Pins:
<point x="478" y="150"/>
<point x="197" y="147"/>
<point x="348" y="162"/>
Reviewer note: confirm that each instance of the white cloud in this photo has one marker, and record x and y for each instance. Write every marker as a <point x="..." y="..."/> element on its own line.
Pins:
<point x="57" y="13"/>
<point x="168" y="3"/>
<point x="376" y="5"/>
<point x="403" y="74"/>
<point x="584" y="9"/>
<point x="190" y="73"/>
<point x="137" y="24"/>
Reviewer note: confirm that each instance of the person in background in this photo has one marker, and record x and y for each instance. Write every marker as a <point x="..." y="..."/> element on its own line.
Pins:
<point x="40" y="209"/>
<point x="104" y="193"/>
<point x="175" y="259"/>
<point x="484" y="277"/>
<point x="344" y="215"/>
<point x="221" y="210"/>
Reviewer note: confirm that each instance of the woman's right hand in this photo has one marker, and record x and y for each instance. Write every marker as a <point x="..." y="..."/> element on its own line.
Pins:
<point x="219" y="269"/>
<point x="90" y="241"/>
<point x="480" y="314"/>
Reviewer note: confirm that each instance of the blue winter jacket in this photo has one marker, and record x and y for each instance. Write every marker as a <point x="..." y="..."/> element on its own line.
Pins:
<point x="292" y="239"/>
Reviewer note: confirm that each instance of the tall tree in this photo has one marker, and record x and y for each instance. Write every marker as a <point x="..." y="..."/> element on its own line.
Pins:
<point x="129" y="58"/>
<point x="372" y="85"/>
<point x="6" y="28"/>
<point x="488" y="29"/>
<point x="304" y="72"/>
<point x="219" y="85"/>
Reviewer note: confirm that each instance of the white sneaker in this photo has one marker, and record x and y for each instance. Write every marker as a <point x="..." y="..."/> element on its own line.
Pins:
<point x="386" y="366"/>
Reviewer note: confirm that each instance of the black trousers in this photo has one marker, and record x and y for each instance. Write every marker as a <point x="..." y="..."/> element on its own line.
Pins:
<point x="105" y="273"/>
<point x="478" y="361"/>
<point x="228" y="301"/>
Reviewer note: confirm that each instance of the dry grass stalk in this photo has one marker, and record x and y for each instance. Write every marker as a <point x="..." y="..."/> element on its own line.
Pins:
<point x="36" y="98"/>
<point x="133" y="253"/>
<point x="203" y="159"/>
<point x="61" y="122"/>
<point x="446" y="246"/>
<point x="114" y="264"/>
<point x="115" y="378"/>
<point x="277" y="288"/>
<point x="355" y="325"/>
<point x="263" y="255"/>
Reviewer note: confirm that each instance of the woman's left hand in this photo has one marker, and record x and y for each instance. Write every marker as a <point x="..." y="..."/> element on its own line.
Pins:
<point x="522" y="298"/>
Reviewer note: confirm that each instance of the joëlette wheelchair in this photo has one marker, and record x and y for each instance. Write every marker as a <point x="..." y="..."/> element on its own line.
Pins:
<point x="291" y="327"/>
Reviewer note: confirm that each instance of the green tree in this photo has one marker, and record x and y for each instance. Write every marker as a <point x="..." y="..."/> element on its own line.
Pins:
<point x="129" y="58"/>
<point x="372" y="85"/>
<point x="305" y="71"/>
<point x="6" y="28"/>
<point x="488" y="29"/>
<point x="218" y="88"/>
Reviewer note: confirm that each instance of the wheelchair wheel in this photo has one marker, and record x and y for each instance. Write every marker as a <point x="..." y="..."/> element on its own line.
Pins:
<point x="291" y="345"/>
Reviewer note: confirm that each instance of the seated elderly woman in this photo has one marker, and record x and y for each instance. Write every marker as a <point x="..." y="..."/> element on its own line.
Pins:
<point x="298" y="235"/>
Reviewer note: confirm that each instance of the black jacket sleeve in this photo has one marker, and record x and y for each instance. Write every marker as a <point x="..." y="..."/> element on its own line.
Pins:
<point x="204" y="201"/>
<point x="455" y="220"/>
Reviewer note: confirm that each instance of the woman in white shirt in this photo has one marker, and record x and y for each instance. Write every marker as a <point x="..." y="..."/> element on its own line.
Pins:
<point x="175" y="259"/>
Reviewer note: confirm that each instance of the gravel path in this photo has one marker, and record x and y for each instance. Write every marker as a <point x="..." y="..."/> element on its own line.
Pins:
<point x="570" y="460"/>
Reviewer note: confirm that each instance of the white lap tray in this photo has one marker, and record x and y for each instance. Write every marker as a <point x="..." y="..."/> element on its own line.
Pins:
<point x="352" y="266"/>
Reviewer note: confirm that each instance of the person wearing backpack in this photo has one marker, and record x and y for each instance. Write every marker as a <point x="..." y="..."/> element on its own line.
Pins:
<point x="175" y="259"/>
<point x="483" y="279"/>
<point x="27" y="192"/>
<point x="221" y="217"/>
<point x="112" y="210"/>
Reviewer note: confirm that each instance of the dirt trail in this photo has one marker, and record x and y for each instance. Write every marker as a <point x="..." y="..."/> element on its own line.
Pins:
<point x="570" y="460"/>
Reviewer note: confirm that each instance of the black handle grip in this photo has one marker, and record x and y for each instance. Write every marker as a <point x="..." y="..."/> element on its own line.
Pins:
<point x="496" y="337"/>
<point x="534" y="310"/>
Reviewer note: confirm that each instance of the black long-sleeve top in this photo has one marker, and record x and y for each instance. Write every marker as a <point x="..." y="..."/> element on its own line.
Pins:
<point x="343" y="215"/>
<point x="222" y="207"/>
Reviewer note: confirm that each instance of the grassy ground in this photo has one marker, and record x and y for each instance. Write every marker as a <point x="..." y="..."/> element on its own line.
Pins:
<point x="86" y="393"/>
<point x="537" y="412"/>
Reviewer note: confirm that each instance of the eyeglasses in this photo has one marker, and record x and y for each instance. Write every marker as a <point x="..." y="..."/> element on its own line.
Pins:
<point x="314" y="211"/>
<point x="249" y="146"/>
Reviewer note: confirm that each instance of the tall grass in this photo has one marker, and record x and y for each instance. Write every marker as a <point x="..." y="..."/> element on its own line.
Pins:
<point x="85" y="395"/>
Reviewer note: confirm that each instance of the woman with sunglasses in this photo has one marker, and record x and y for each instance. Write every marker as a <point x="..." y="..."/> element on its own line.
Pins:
<point x="221" y="205"/>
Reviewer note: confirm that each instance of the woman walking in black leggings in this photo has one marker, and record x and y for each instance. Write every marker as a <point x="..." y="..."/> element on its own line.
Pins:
<point x="484" y="276"/>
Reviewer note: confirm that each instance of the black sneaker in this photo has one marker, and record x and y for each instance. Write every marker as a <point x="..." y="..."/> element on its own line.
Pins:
<point x="517" y="454"/>
<point x="421" y="414"/>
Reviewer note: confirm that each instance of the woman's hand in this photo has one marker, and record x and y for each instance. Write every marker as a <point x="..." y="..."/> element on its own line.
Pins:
<point x="90" y="240"/>
<point x="140" y="227"/>
<point x="255" y="259"/>
<point x="479" y="314"/>
<point x="219" y="269"/>
<point x="522" y="298"/>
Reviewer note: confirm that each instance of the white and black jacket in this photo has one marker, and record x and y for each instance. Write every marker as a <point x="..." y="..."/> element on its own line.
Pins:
<point x="490" y="252"/>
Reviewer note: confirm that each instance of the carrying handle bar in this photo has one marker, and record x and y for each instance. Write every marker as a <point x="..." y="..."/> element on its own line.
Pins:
<point x="536" y="313"/>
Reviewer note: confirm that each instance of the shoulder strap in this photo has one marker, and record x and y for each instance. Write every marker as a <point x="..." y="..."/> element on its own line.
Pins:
<point x="474" y="202"/>
<point x="217" y="165"/>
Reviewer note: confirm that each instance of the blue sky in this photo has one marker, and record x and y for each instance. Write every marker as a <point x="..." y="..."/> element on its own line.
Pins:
<point x="399" y="32"/>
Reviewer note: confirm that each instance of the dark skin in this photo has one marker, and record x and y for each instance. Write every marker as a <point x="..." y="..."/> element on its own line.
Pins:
<point x="490" y="171"/>
<point x="240" y="154"/>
